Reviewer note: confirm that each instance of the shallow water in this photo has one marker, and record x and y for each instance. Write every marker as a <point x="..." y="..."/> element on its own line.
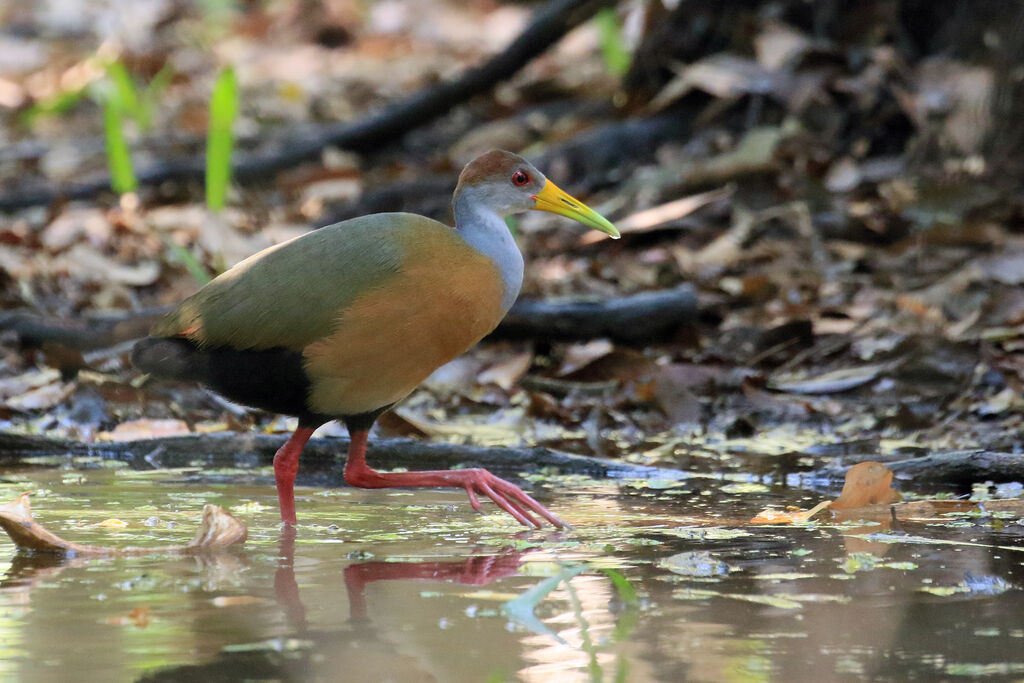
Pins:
<point x="659" y="581"/>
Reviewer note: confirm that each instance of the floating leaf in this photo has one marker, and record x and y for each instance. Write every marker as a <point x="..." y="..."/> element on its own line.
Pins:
<point x="138" y="617"/>
<point x="790" y="516"/>
<point x="697" y="563"/>
<point x="867" y="483"/>
<point x="779" y="601"/>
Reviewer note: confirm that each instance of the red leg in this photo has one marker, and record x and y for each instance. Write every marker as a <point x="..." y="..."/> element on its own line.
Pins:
<point x="286" y="465"/>
<point x="507" y="496"/>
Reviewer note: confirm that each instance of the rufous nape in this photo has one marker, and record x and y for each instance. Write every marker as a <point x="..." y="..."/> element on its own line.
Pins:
<point x="345" y="321"/>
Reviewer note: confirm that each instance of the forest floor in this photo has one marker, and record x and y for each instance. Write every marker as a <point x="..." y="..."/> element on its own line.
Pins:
<point x="858" y="270"/>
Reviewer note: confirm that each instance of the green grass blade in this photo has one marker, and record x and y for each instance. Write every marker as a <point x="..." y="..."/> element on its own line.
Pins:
<point x="151" y="93"/>
<point x="219" y="141"/>
<point x="191" y="263"/>
<point x="613" y="46"/>
<point x="53" y="105"/>
<point x="119" y="158"/>
<point x="124" y="91"/>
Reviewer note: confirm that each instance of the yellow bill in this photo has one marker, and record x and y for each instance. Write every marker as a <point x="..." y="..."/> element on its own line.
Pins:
<point x="554" y="200"/>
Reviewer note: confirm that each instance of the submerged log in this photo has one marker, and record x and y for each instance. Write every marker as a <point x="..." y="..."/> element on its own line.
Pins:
<point x="958" y="469"/>
<point x="323" y="459"/>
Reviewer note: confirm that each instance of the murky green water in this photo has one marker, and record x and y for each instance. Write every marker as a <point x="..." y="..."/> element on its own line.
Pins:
<point x="413" y="586"/>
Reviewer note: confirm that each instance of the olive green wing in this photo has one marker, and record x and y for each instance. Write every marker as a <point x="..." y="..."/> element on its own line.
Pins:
<point x="293" y="294"/>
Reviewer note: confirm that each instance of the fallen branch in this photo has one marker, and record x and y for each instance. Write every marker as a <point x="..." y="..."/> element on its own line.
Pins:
<point x="550" y="23"/>
<point x="34" y="331"/>
<point x="323" y="459"/>
<point x="640" y="318"/>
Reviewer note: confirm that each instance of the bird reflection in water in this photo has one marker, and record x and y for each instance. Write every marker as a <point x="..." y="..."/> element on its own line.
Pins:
<point x="475" y="570"/>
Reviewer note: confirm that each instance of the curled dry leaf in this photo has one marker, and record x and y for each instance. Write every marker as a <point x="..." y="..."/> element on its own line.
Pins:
<point x="138" y="617"/>
<point x="832" y="382"/>
<point x="145" y="429"/>
<point x="217" y="530"/>
<point x="506" y="373"/>
<point x="789" y="516"/>
<point x="85" y="263"/>
<point x="578" y="356"/>
<point x="867" y="483"/>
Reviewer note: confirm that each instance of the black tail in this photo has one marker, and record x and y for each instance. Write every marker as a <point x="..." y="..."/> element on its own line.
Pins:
<point x="271" y="379"/>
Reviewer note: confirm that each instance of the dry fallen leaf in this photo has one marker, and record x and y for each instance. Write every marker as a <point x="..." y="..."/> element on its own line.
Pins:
<point x="237" y="600"/>
<point x="506" y="373"/>
<point x="138" y="617"/>
<point x="831" y="382"/>
<point x="85" y="263"/>
<point x="43" y="397"/>
<point x="580" y="355"/>
<point x="113" y="524"/>
<point x="145" y="429"/>
<point x="217" y="530"/>
<point x="867" y="483"/>
<point x="788" y="516"/>
<point x="658" y="216"/>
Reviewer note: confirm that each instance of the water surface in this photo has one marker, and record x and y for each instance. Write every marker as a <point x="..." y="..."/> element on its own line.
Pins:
<point x="659" y="581"/>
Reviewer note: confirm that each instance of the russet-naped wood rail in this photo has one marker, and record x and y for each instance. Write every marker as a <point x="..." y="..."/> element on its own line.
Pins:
<point x="345" y="321"/>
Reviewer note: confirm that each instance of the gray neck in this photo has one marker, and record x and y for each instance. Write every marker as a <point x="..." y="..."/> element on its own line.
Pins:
<point x="487" y="232"/>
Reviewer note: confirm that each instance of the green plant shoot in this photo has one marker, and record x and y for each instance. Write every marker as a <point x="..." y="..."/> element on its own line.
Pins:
<point x="219" y="141"/>
<point x="119" y="158"/>
<point x="613" y="46"/>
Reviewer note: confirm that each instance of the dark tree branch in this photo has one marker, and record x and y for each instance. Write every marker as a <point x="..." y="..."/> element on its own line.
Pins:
<point x="33" y="331"/>
<point x="323" y="460"/>
<point x="639" y="318"/>
<point x="959" y="469"/>
<point x="550" y="23"/>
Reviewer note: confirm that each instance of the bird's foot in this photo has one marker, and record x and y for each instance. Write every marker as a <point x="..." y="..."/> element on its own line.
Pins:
<point x="505" y="495"/>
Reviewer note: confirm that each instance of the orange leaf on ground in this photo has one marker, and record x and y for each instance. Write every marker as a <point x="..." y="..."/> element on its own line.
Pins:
<point x="790" y="516"/>
<point x="138" y="617"/>
<point x="867" y="483"/>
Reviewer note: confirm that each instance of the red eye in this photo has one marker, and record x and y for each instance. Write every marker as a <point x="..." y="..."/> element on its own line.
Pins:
<point x="520" y="178"/>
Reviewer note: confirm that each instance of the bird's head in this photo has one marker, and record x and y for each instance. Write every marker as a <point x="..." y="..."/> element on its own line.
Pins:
<point x="507" y="183"/>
